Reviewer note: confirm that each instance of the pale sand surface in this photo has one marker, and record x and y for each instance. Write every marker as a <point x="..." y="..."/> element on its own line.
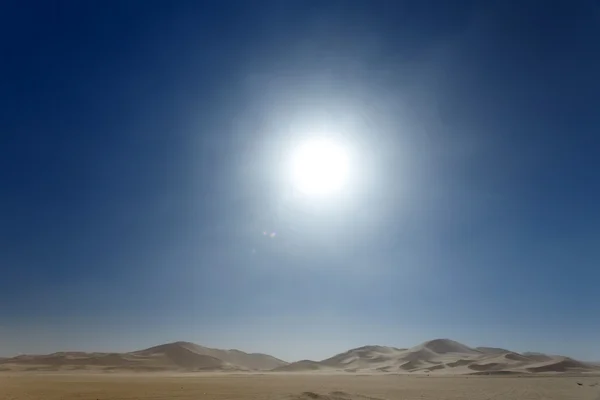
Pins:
<point x="276" y="386"/>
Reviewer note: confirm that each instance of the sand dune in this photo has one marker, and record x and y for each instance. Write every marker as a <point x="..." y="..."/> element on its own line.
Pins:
<point x="560" y="364"/>
<point x="431" y="355"/>
<point x="171" y="356"/>
<point x="229" y="358"/>
<point x="442" y="356"/>
<point x="182" y="354"/>
<point x="362" y="357"/>
<point x="439" y="356"/>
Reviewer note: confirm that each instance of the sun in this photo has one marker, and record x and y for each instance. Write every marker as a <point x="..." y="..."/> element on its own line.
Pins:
<point x="320" y="167"/>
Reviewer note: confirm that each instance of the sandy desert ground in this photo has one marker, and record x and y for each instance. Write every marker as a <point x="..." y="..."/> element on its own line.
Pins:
<point x="287" y="386"/>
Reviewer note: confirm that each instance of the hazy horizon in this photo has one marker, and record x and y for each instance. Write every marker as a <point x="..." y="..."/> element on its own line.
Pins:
<point x="299" y="178"/>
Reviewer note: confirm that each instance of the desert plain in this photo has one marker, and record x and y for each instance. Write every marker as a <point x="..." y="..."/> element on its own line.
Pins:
<point x="291" y="386"/>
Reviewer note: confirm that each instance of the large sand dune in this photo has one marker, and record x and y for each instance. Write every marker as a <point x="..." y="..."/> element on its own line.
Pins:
<point x="439" y="356"/>
<point x="178" y="352"/>
<point x="443" y="356"/>
<point x="171" y="356"/>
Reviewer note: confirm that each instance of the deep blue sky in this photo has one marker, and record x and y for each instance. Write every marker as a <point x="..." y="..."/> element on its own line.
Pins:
<point x="141" y="145"/>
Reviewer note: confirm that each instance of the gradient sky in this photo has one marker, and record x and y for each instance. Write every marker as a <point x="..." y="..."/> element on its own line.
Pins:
<point x="141" y="153"/>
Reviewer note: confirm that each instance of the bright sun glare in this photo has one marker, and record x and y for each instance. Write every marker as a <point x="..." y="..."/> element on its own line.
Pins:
<point x="320" y="167"/>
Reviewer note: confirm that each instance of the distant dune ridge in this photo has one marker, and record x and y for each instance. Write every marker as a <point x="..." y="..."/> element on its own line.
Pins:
<point x="171" y="356"/>
<point x="181" y="352"/>
<point x="442" y="356"/>
<point x="439" y="356"/>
